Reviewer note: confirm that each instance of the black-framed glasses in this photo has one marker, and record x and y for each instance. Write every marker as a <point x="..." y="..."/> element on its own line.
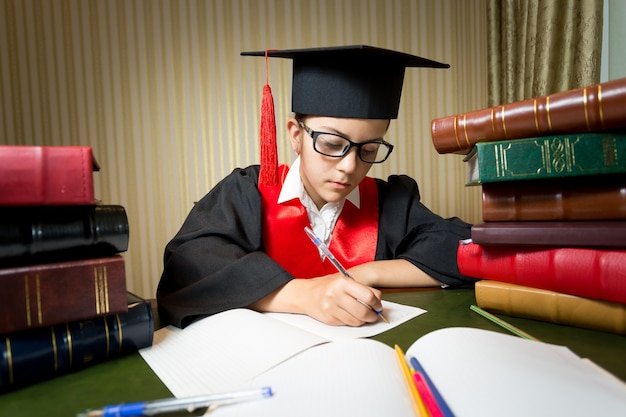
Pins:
<point x="336" y="146"/>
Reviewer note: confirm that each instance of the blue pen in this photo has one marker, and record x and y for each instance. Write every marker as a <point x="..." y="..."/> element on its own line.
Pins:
<point x="322" y="246"/>
<point x="171" y="405"/>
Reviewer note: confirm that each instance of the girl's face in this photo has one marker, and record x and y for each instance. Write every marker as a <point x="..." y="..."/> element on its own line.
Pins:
<point x="328" y="179"/>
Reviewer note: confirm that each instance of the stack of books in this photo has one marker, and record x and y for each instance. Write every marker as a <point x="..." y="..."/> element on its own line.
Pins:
<point x="63" y="297"/>
<point x="552" y="244"/>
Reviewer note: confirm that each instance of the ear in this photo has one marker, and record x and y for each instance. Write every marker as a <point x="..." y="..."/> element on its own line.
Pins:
<point x="295" y="135"/>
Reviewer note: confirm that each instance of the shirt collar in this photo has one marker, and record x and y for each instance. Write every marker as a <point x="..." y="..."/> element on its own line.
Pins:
<point x="293" y="187"/>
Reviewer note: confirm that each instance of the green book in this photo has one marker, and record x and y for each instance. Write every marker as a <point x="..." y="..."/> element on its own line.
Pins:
<point x="557" y="156"/>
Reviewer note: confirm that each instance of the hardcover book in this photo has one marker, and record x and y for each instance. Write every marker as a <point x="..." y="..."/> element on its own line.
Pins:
<point x="593" y="108"/>
<point x="555" y="307"/>
<point x="34" y="355"/>
<point x="570" y="155"/>
<point x="586" y="272"/>
<point x="46" y="175"/>
<point x="599" y="234"/>
<point x="574" y="198"/>
<point x="27" y="231"/>
<point x="41" y="295"/>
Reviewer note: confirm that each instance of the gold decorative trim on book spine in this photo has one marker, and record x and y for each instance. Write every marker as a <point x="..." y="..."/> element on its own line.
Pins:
<point x="600" y="113"/>
<point x="7" y="341"/>
<point x="101" y="289"/>
<point x="586" y="108"/>
<point x="465" y="130"/>
<point x="108" y="335"/>
<point x="535" y="113"/>
<point x="506" y="136"/>
<point x="456" y="132"/>
<point x="55" y="350"/>
<point x="33" y="310"/>
<point x="70" y="344"/>
<point x="548" y="113"/>
<point x="120" y="334"/>
<point x="29" y="320"/>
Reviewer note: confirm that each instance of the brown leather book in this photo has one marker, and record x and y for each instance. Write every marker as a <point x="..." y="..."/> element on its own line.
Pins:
<point x="33" y="296"/>
<point x="537" y="304"/>
<point x="593" y="108"/>
<point x="584" y="198"/>
<point x="598" y="234"/>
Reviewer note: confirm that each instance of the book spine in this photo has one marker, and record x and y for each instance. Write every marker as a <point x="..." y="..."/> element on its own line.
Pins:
<point x="598" y="107"/>
<point x="551" y="306"/>
<point x="549" y="157"/>
<point x="35" y="355"/>
<point x="565" y="199"/>
<point x="36" y="230"/>
<point x="46" y="175"/>
<point x="585" y="272"/>
<point x="37" y="295"/>
<point x="597" y="234"/>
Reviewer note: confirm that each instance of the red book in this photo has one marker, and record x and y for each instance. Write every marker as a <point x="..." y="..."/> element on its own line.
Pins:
<point x="598" y="107"/>
<point x="39" y="295"/>
<point x="585" y="272"/>
<point x="46" y="175"/>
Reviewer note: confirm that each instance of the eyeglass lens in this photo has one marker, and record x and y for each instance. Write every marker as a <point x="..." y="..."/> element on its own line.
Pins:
<point x="332" y="145"/>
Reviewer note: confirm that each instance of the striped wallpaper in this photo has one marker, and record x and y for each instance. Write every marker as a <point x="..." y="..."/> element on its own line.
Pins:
<point x="158" y="89"/>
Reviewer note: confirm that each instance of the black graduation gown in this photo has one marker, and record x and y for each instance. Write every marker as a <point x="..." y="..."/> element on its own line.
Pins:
<point x="216" y="261"/>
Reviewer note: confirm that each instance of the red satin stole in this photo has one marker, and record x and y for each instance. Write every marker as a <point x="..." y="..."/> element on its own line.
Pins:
<point x="353" y="241"/>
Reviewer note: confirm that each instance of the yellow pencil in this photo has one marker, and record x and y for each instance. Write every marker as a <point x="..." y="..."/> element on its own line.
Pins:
<point x="418" y="403"/>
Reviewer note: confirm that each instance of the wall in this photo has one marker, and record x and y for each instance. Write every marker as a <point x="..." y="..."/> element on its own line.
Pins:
<point x="158" y="89"/>
<point x="614" y="33"/>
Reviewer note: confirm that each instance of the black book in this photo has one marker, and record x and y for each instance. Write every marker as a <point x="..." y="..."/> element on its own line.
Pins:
<point x="38" y="234"/>
<point x="35" y="355"/>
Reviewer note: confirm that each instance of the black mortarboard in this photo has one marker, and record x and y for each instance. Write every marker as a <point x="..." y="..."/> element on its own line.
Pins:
<point x="356" y="81"/>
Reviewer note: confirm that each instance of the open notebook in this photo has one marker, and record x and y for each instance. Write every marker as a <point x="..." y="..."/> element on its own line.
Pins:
<point x="223" y="351"/>
<point x="478" y="372"/>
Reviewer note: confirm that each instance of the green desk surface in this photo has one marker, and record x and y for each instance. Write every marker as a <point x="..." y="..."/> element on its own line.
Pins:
<point x="129" y="379"/>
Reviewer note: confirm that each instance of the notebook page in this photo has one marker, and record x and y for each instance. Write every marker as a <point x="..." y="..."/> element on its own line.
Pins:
<point x="358" y="377"/>
<point x="484" y="373"/>
<point x="223" y="351"/>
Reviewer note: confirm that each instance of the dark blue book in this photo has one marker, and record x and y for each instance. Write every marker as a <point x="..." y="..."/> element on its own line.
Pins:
<point x="35" y="355"/>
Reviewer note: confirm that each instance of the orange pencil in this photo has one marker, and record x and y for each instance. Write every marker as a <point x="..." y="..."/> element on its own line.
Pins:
<point x="418" y="402"/>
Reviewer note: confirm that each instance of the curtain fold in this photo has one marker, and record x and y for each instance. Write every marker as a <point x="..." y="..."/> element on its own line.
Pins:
<point x="538" y="47"/>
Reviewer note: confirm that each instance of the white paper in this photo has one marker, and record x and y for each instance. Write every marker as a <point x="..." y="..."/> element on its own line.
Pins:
<point x="482" y="373"/>
<point x="358" y="377"/>
<point x="395" y="313"/>
<point x="221" y="352"/>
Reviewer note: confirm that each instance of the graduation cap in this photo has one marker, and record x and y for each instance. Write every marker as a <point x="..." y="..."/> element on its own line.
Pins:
<point x="355" y="81"/>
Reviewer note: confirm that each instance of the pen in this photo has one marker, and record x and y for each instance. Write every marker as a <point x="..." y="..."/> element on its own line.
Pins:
<point x="321" y="246"/>
<point x="170" y="405"/>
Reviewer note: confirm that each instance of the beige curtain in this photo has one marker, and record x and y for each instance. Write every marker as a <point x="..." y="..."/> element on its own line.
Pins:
<point x="538" y="47"/>
<point x="158" y="89"/>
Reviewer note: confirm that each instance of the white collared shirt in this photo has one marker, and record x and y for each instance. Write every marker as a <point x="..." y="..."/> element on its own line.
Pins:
<point x="322" y="221"/>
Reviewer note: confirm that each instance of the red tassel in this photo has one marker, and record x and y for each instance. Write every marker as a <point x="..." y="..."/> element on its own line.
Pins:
<point x="269" y="153"/>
